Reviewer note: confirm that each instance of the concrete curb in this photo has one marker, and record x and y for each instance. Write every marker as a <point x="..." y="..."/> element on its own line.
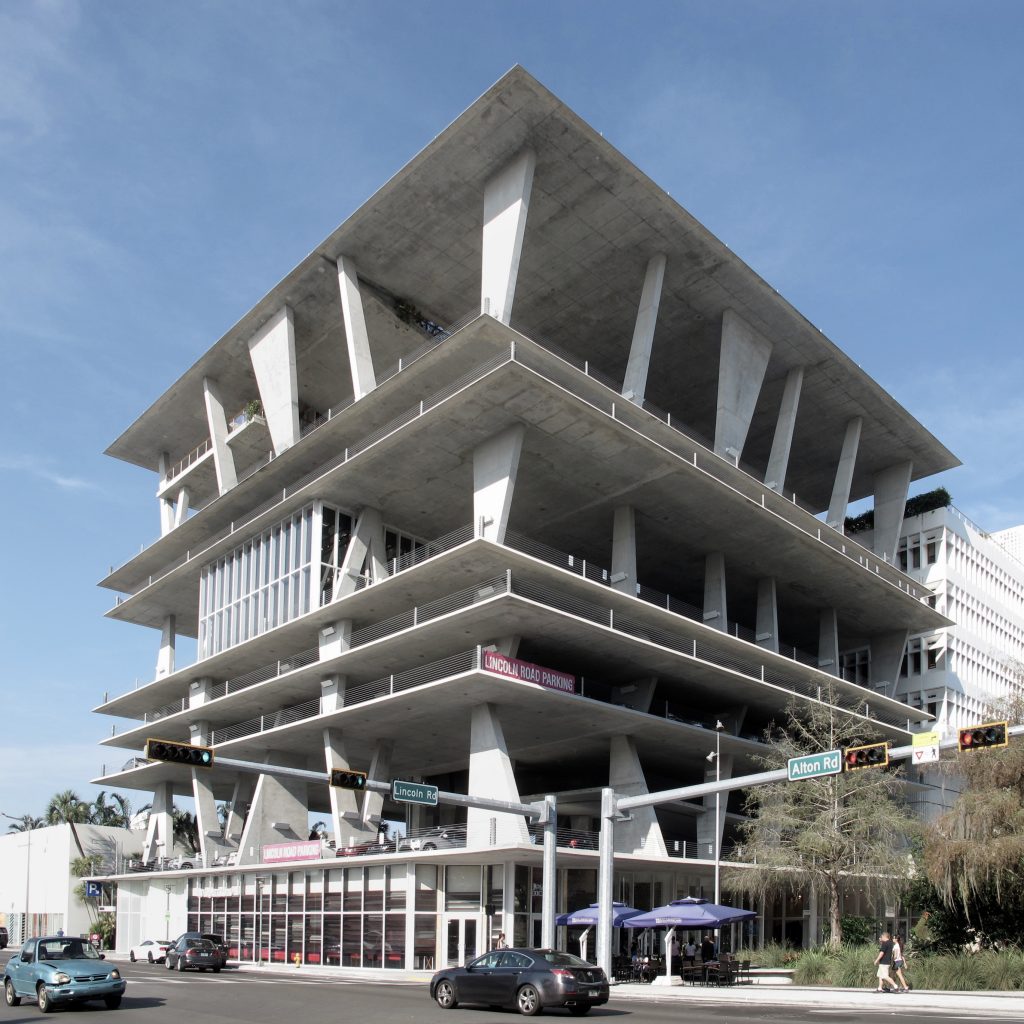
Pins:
<point x="996" y="1004"/>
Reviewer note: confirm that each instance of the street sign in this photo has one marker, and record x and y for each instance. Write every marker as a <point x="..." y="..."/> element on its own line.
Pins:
<point x="92" y="890"/>
<point x="926" y="747"/>
<point x="413" y="792"/>
<point x="813" y="766"/>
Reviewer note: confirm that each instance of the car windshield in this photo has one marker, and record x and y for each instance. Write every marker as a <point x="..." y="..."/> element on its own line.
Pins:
<point x="198" y="944"/>
<point x="66" y="949"/>
<point x="559" y="959"/>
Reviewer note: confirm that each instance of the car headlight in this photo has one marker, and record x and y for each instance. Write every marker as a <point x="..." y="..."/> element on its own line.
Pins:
<point x="114" y="974"/>
<point x="60" y="978"/>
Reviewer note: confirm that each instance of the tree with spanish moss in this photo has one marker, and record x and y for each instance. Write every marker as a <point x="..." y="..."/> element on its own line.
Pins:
<point x="818" y="835"/>
<point x="974" y="853"/>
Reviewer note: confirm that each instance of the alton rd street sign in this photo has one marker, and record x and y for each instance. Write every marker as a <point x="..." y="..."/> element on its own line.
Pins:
<point x="813" y="766"/>
<point x="413" y="792"/>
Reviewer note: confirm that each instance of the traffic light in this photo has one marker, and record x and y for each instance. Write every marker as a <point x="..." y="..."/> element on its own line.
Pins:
<point x="869" y="755"/>
<point x="991" y="734"/>
<point x="346" y="778"/>
<point x="181" y="753"/>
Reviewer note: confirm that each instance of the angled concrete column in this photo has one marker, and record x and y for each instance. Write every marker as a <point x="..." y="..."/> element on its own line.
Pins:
<point x="344" y="802"/>
<point x="744" y="359"/>
<point x="491" y="775"/>
<point x="623" y="576"/>
<point x="199" y="692"/>
<point x="716" y="611"/>
<point x="828" y="641"/>
<point x="166" y="504"/>
<point x="642" y="833"/>
<point x="506" y="645"/>
<point x="887" y="652"/>
<point x="506" y="203"/>
<point x="165" y="659"/>
<point x="334" y="638"/>
<point x="332" y="694"/>
<point x="181" y="507"/>
<point x="844" y="474"/>
<point x="160" y="828"/>
<point x="238" y="811"/>
<point x="634" y="386"/>
<point x="357" y="339"/>
<point x="279" y="811"/>
<point x="782" y="442"/>
<point x="637" y="694"/>
<point x="217" y="421"/>
<point x="211" y="837"/>
<point x="495" y="464"/>
<point x="380" y="771"/>
<point x="891" y="486"/>
<point x="767" y="631"/>
<point x="706" y="839"/>
<point x="365" y="549"/>
<point x="272" y="351"/>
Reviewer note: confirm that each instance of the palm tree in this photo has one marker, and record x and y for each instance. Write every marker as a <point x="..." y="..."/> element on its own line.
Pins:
<point x="67" y="808"/>
<point x="186" y="829"/>
<point x="26" y="823"/>
<point x="118" y="816"/>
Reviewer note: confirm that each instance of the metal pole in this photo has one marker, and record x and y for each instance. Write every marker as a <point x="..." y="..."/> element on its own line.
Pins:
<point x="718" y="813"/>
<point x="547" y="900"/>
<point x="605" y="871"/>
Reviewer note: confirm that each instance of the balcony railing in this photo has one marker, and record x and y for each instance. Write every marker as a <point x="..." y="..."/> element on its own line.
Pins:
<point x="193" y="457"/>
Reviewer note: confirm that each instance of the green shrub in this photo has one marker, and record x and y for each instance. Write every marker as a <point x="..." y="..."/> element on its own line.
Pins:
<point x="813" y="968"/>
<point x="853" y="966"/>
<point x="858" y="930"/>
<point x="1001" y="971"/>
<point x="775" y="955"/>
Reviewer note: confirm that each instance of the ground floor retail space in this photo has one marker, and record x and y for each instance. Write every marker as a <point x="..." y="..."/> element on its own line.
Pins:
<point x="409" y="915"/>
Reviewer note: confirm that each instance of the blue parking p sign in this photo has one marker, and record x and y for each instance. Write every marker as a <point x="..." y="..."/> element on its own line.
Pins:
<point x="92" y="890"/>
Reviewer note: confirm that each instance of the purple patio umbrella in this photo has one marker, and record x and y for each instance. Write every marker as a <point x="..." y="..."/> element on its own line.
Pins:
<point x="590" y="916"/>
<point x="691" y="912"/>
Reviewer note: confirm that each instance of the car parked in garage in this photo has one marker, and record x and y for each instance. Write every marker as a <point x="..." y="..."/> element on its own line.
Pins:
<point x="56" y="969"/>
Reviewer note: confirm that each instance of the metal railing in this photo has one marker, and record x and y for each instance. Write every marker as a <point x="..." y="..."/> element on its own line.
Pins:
<point x="193" y="456"/>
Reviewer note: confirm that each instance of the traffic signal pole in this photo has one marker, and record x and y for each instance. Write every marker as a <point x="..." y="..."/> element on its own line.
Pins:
<point x="614" y="808"/>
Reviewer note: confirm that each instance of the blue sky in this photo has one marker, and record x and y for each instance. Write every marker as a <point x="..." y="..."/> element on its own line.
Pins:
<point x="163" y="165"/>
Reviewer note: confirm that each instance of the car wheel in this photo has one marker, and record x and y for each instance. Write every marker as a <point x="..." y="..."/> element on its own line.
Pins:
<point x="112" y="1002"/>
<point x="216" y="970"/>
<point x="45" y="1002"/>
<point x="12" y="998"/>
<point x="149" y="957"/>
<point x="181" y="963"/>
<point x="444" y="995"/>
<point x="428" y="846"/>
<point x="581" y="1010"/>
<point x="187" y="866"/>
<point x="168" y="964"/>
<point x="131" y="955"/>
<point x="528" y="1001"/>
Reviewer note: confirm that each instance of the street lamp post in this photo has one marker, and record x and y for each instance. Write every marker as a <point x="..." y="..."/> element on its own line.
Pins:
<point x="167" y="910"/>
<point x="716" y="756"/>
<point x="28" y="872"/>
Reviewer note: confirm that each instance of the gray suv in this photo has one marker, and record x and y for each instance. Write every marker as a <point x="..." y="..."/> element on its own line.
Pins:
<point x="441" y="837"/>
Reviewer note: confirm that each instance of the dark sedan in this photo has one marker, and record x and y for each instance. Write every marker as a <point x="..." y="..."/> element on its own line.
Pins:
<point x="528" y="980"/>
<point x="188" y="953"/>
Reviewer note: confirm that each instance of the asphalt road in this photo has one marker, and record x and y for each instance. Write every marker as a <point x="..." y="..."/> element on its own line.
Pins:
<point x="158" y="996"/>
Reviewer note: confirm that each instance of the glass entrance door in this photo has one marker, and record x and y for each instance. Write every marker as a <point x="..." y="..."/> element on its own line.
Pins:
<point x="460" y="939"/>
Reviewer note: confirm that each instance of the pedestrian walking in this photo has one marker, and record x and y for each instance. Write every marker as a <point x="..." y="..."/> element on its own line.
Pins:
<point x="883" y="962"/>
<point x="899" y="961"/>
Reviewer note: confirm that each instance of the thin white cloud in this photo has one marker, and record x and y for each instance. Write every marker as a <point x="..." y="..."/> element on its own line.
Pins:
<point x="40" y="469"/>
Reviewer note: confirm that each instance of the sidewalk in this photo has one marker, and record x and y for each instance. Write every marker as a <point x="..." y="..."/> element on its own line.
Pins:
<point x="997" y="1005"/>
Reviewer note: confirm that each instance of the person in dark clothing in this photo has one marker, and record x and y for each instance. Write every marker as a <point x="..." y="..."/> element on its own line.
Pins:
<point x="883" y="962"/>
<point x="707" y="949"/>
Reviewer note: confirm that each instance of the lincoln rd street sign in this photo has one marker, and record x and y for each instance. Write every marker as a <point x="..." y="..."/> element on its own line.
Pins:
<point x="813" y="766"/>
<point x="413" y="792"/>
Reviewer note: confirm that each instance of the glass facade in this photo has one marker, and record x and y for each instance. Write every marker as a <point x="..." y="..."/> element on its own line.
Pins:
<point x="263" y="583"/>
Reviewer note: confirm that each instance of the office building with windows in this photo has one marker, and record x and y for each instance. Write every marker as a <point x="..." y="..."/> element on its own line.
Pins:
<point x="518" y="485"/>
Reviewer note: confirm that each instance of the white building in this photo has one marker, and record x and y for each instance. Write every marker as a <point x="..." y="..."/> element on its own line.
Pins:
<point x="37" y="880"/>
<point x="540" y="550"/>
